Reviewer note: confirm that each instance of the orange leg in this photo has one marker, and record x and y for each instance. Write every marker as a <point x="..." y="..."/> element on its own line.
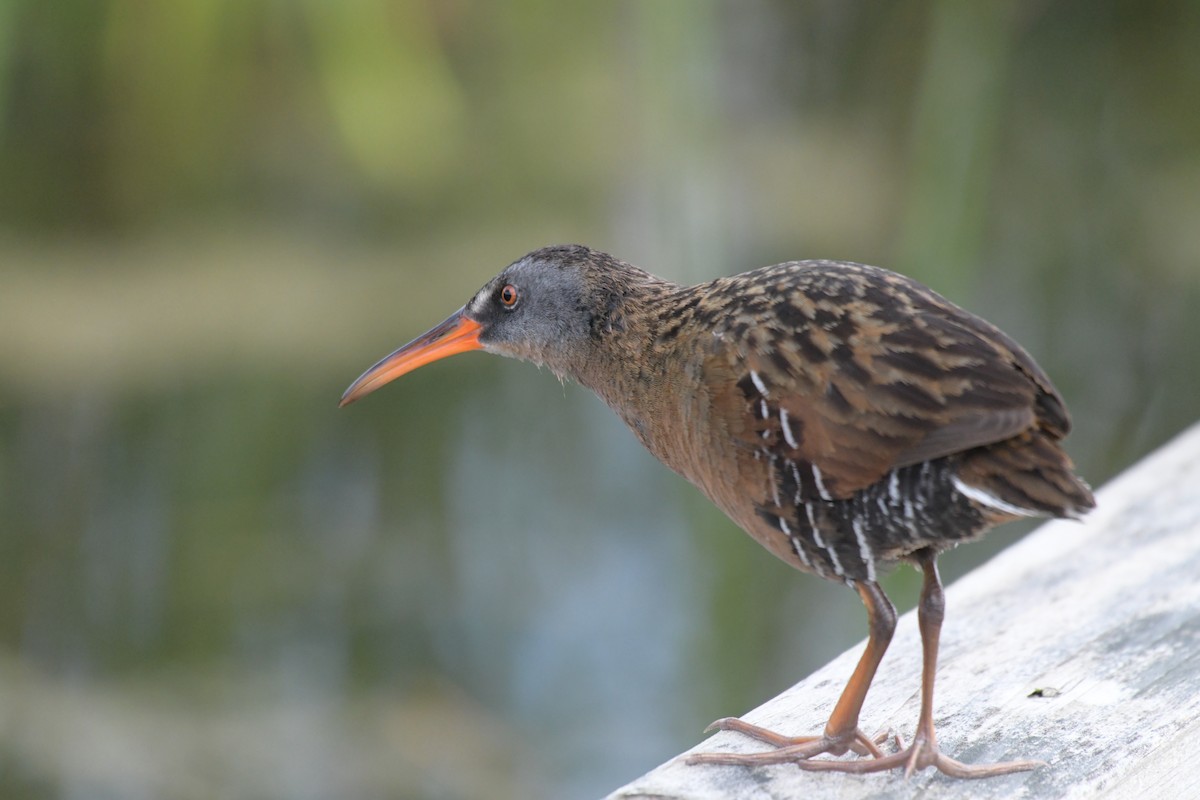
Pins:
<point x="922" y="753"/>
<point x="841" y="732"/>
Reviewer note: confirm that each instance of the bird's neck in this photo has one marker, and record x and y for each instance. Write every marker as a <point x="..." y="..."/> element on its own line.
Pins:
<point x="618" y="355"/>
<point x="632" y="367"/>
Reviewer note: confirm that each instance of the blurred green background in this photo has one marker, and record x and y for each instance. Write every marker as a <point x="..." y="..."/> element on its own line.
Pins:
<point x="214" y="214"/>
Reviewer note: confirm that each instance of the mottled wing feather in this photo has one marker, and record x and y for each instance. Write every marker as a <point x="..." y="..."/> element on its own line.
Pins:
<point x="965" y="433"/>
<point x="866" y="371"/>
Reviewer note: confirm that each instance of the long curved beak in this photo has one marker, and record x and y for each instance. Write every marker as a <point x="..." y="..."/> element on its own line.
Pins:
<point x="458" y="334"/>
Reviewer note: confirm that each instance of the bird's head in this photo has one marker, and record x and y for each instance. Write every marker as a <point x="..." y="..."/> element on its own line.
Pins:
<point x="550" y="307"/>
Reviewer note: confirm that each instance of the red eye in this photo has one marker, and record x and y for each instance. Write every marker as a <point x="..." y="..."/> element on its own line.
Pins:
<point x="508" y="295"/>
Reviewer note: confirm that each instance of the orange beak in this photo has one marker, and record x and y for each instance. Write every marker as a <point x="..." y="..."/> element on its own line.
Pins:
<point x="458" y="334"/>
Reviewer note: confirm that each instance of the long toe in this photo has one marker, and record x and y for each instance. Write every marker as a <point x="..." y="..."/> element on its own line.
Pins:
<point x="919" y="755"/>
<point x="956" y="769"/>
<point x="788" y="748"/>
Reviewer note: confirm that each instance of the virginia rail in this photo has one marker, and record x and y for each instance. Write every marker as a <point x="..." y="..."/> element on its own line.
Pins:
<point x="846" y="417"/>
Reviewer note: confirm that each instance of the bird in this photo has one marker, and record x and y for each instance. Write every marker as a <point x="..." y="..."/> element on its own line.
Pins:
<point x="846" y="417"/>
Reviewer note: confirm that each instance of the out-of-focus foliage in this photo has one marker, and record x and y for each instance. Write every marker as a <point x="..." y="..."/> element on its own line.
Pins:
<point x="214" y="214"/>
<point x="122" y="114"/>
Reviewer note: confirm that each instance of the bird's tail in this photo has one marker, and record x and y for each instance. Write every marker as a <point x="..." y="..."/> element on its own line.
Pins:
<point x="1029" y="473"/>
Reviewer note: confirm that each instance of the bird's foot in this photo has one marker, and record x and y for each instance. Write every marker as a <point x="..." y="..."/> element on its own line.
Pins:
<point x="923" y="753"/>
<point x="789" y="748"/>
<point x="799" y="750"/>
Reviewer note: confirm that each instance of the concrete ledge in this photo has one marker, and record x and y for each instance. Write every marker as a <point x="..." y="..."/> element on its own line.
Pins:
<point x="1079" y="645"/>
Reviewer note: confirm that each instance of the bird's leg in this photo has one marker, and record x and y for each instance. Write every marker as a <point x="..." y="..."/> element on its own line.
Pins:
<point x="923" y="752"/>
<point x="841" y="731"/>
